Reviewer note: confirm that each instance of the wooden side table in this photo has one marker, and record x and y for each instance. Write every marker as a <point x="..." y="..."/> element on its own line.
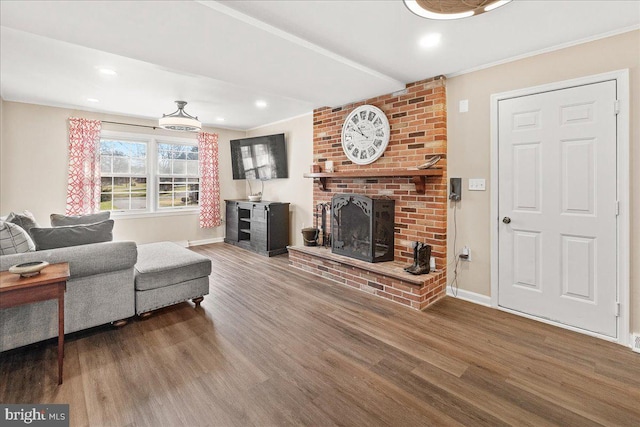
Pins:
<point x="51" y="283"/>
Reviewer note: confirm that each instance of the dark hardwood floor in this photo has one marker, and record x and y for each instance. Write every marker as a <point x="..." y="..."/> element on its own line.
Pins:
<point x="272" y="345"/>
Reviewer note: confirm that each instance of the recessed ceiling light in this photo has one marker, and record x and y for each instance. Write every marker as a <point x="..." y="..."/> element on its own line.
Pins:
<point x="430" y="40"/>
<point x="261" y="104"/>
<point x="108" y="72"/>
<point x="92" y="100"/>
<point x="220" y="119"/>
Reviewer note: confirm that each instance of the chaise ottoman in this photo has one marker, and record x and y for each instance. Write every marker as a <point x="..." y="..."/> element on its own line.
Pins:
<point x="166" y="274"/>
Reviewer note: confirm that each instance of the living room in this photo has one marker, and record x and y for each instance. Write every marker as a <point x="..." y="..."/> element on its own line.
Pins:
<point x="249" y="344"/>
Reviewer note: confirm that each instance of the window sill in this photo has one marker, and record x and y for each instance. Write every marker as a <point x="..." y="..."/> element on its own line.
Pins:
<point x="137" y="215"/>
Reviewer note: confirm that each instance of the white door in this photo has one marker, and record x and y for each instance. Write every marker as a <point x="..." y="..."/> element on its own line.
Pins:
<point x="557" y="206"/>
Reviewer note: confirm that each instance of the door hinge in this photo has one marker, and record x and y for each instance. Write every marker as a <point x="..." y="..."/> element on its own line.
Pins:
<point x="617" y="309"/>
<point x="617" y="207"/>
<point x="616" y="107"/>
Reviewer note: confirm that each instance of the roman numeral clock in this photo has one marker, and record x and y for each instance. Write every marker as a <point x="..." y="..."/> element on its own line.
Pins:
<point x="365" y="134"/>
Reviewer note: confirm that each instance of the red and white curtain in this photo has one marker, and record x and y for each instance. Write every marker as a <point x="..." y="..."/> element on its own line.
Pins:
<point x="83" y="190"/>
<point x="209" y="183"/>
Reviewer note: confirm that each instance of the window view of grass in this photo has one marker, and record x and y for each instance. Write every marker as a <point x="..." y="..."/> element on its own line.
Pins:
<point x="178" y="192"/>
<point x="123" y="167"/>
<point x="123" y="193"/>
<point x="125" y="181"/>
<point x="178" y="182"/>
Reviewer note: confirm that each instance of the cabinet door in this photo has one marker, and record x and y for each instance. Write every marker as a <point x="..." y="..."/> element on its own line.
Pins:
<point x="259" y="227"/>
<point x="231" y="220"/>
<point x="278" y="226"/>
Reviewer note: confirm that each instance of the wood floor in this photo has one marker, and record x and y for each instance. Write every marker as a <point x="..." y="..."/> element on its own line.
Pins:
<point x="272" y="345"/>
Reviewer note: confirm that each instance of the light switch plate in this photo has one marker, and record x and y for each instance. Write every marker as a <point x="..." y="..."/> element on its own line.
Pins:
<point x="464" y="105"/>
<point x="477" y="184"/>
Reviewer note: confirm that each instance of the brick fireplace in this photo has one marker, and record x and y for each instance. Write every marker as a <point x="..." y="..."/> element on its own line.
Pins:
<point x="417" y="117"/>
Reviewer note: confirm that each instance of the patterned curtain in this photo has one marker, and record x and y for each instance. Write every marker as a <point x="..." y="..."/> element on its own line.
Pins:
<point x="83" y="191"/>
<point x="209" y="183"/>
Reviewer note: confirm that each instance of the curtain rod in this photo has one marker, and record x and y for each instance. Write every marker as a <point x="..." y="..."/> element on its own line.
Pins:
<point x="130" y="124"/>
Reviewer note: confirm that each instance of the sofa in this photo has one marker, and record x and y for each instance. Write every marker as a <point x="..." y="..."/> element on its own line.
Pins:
<point x="100" y="290"/>
<point x="109" y="281"/>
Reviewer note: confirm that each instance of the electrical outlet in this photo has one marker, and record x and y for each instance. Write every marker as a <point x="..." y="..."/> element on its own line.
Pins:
<point x="465" y="253"/>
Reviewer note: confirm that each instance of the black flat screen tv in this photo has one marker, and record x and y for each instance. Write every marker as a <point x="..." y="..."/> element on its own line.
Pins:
<point x="261" y="157"/>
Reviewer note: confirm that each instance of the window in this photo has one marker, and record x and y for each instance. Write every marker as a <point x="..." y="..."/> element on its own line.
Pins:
<point x="178" y="177"/>
<point x="144" y="174"/>
<point x="123" y="169"/>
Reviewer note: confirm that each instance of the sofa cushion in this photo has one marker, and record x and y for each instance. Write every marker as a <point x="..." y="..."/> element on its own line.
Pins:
<point x="72" y="235"/>
<point x="58" y="220"/>
<point x="166" y="263"/>
<point x="25" y="220"/>
<point x="84" y="260"/>
<point x="14" y="239"/>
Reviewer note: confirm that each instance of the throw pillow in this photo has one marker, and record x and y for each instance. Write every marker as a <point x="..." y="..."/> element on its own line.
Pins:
<point x="72" y="235"/>
<point x="24" y="220"/>
<point x="58" y="220"/>
<point x="14" y="239"/>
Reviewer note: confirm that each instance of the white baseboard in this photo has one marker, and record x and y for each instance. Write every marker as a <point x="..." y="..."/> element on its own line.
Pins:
<point x="470" y="296"/>
<point x="205" y="241"/>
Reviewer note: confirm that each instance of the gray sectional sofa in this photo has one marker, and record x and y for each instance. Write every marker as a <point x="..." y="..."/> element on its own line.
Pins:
<point x="100" y="290"/>
<point x="109" y="281"/>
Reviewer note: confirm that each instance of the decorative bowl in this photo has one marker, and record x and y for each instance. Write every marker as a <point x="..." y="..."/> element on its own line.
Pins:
<point x="255" y="197"/>
<point x="28" y="269"/>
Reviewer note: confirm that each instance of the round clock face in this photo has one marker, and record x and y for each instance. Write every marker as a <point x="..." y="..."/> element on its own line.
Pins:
<point x="365" y="134"/>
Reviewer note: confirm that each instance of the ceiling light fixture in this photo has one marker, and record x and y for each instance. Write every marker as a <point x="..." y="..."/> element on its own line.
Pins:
<point x="220" y="119"/>
<point x="92" y="100"/>
<point x="180" y="120"/>
<point x="261" y="104"/>
<point x="452" y="9"/>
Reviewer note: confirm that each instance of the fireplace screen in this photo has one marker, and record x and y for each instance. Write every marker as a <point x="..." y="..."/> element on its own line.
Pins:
<point x="362" y="227"/>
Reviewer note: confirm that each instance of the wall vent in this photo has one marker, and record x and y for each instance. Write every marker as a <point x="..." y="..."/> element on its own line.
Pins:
<point x="635" y="342"/>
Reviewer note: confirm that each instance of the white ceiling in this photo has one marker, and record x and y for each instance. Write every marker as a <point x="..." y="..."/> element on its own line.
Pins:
<point x="222" y="56"/>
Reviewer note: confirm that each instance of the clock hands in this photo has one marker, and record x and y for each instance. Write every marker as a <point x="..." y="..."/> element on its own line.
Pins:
<point x="359" y="130"/>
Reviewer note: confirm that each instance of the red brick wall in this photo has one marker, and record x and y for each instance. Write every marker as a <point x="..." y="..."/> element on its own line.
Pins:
<point x="418" y="121"/>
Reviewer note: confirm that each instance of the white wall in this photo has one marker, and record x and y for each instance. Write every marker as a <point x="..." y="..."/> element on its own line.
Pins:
<point x="33" y="171"/>
<point x="296" y="190"/>
<point x="469" y="143"/>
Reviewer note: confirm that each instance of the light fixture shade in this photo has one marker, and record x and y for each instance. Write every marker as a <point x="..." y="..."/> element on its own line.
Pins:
<point x="180" y="120"/>
<point x="452" y="9"/>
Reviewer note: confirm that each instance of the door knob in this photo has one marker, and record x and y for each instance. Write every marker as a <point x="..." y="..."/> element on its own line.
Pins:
<point x="506" y="220"/>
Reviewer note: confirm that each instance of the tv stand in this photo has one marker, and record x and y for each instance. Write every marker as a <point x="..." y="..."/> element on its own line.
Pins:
<point x="261" y="227"/>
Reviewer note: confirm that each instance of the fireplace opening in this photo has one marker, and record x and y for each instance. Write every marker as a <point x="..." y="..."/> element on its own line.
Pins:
<point x="363" y="227"/>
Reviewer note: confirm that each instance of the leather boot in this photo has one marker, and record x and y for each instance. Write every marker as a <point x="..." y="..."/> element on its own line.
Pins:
<point x="422" y="262"/>
<point x="415" y="258"/>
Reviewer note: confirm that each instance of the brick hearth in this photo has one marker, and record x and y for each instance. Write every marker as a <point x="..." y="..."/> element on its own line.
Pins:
<point x="386" y="279"/>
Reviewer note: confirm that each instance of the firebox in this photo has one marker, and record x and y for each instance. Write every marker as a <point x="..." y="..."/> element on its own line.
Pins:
<point x="362" y="227"/>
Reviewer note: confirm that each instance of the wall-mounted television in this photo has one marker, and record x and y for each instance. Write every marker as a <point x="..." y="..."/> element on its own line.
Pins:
<point x="261" y="157"/>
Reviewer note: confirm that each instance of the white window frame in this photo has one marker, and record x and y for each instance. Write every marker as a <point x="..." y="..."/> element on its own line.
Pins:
<point x="152" y="141"/>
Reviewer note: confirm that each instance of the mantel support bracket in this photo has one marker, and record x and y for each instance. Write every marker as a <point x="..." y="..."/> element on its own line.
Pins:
<point x="419" y="181"/>
<point x="322" y="183"/>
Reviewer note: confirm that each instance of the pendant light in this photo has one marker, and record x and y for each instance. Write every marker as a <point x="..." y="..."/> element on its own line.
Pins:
<point x="452" y="9"/>
<point x="180" y="120"/>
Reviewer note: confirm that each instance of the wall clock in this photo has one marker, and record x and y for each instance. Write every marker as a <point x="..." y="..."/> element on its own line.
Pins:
<point x="365" y="134"/>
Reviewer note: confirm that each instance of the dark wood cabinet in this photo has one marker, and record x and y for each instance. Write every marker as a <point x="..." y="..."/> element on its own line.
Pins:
<point x="262" y="227"/>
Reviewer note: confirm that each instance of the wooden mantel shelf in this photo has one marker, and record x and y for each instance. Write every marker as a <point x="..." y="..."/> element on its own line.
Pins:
<point x="418" y="176"/>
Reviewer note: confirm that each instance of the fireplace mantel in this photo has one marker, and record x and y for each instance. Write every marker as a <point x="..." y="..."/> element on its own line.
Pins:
<point x="418" y="176"/>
